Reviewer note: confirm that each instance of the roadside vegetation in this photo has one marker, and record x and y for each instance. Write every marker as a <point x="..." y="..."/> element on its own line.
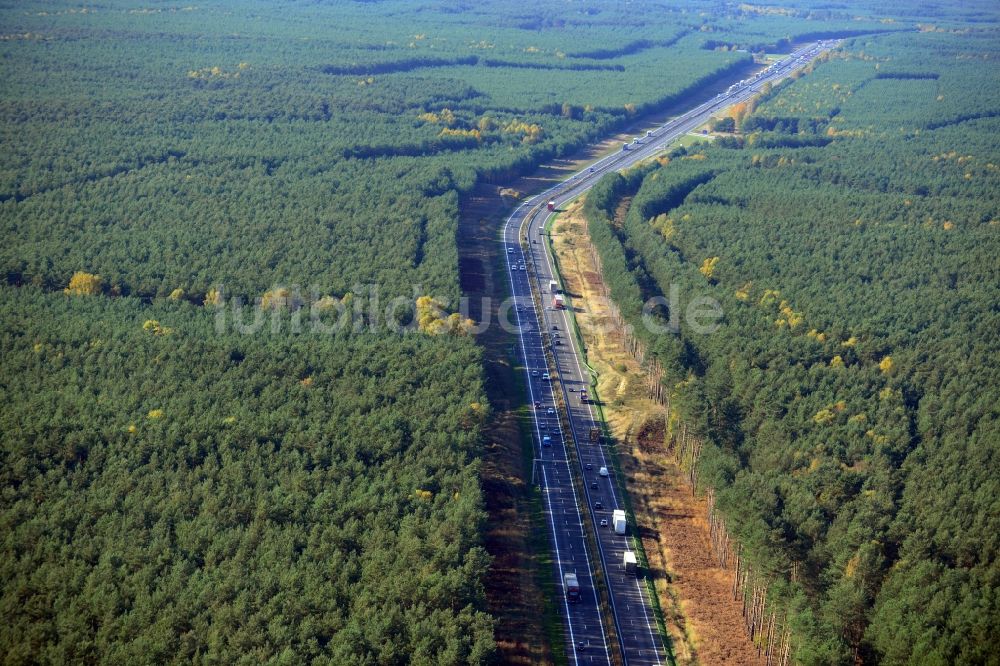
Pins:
<point x="189" y="477"/>
<point x="847" y="403"/>
<point x="702" y="619"/>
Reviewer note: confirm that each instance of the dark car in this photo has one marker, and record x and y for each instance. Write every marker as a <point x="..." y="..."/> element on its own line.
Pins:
<point x="598" y="505"/>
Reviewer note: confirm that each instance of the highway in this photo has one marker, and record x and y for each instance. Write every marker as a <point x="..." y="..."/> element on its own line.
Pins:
<point x="545" y="332"/>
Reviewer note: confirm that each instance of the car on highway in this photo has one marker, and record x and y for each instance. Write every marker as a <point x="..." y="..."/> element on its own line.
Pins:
<point x="534" y="373"/>
<point x="510" y="250"/>
<point x="593" y="485"/>
<point x="604" y="522"/>
<point x="598" y="505"/>
<point x="546" y="377"/>
<point x="550" y="411"/>
<point x="537" y="404"/>
<point x="546" y="441"/>
<point x="603" y="471"/>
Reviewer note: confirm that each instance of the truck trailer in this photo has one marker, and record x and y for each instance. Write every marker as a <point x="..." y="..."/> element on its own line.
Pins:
<point x="629" y="562"/>
<point x="572" y="587"/>
<point x="619" y="521"/>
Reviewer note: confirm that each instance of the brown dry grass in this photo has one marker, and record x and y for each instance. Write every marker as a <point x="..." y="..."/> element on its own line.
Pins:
<point x="704" y="622"/>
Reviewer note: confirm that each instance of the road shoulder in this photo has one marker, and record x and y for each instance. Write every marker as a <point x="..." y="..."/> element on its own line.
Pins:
<point x="695" y="594"/>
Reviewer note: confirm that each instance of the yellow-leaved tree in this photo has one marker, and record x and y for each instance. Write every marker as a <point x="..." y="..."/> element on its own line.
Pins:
<point x="737" y="112"/>
<point x="486" y="124"/>
<point x="213" y="297"/>
<point x="277" y="298"/>
<point x="886" y="364"/>
<point x="665" y="225"/>
<point x="156" y="328"/>
<point x="708" y="267"/>
<point x="431" y="319"/>
<point x="84" y="284"/>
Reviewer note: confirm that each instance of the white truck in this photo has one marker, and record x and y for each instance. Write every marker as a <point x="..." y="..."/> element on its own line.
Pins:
<point x="618" y="521"/>
<point x="629" y="562"/>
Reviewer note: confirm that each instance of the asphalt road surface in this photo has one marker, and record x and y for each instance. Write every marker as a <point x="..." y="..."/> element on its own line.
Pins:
<point x="544" y="333"/>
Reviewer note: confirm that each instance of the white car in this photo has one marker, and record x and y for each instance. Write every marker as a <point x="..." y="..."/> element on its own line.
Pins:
<point x="603" y="471"/>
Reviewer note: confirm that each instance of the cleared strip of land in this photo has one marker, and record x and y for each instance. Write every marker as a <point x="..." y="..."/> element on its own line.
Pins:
<point x="704" y="622"/>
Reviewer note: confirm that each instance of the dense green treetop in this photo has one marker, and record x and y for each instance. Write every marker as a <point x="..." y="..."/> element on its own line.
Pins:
<point x="176" y="490"/>
<point x="849" y="399"/>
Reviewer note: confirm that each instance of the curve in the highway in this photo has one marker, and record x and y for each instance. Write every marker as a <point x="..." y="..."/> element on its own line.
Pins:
<point x="539" y="328"/>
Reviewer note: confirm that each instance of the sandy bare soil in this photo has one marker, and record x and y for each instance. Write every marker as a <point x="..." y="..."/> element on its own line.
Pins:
<point x="703" y="619"/>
